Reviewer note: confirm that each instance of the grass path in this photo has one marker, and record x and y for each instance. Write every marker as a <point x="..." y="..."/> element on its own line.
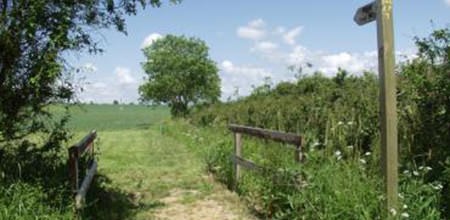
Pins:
<point x="152" y="176"/>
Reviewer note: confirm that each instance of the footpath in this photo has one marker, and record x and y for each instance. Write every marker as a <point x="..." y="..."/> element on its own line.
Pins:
<point x="161" y="178"/>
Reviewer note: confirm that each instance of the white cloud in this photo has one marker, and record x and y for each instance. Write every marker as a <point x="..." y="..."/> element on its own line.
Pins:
<point x="280" y="30"/>
<point x="355" y="63"/>
<point x="150" y="39"/>
<point x="266" y="46"/>
<point x="122" y="87"/>
<point x="124" y="76"/>
<point x="99" y="85"/>
<point x="244" y="71"/>
<point x="227" y="66"/>
<point x="267" y="49"/>
<point x="270" y="48"/>
<point x="242" y="77"/>
<point x="89" y="67"/>
<point x="254" y="30"/>
<point x="447" y="2"/>
<point x="257" y="23"/>
<point x="297" y="56"/>
<point x="289" y="36"/>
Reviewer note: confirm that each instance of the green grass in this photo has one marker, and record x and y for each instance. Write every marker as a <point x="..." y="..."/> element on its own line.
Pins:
<point x="115" y="117"/>
<point x="139" y="165"/>
<point x="145" y="171"/>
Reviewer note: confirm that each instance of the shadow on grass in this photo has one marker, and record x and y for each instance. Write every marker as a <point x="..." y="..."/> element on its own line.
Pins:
<point x="105" y="201"/>
<point x="52" y="189"/>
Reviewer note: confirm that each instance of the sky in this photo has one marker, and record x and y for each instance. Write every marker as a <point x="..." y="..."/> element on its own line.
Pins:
<point x="251" y="40"/>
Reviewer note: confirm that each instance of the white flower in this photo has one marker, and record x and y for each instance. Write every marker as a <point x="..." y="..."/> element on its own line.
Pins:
<point x="393" y="211"/>
<point x="405" y="215"/>
<point x="350" y="147"/>
<point x="415" y="173"/>
<point x="405" y="206"/>
<point x="428" y="168"/>
<point x="337" y="153"/>
<point x="368" y="153"/>
<point x="421" y="168"/>
<point x="400" y="196"/>
<point x="437" y="186"/>
<point x="350" y="123"/>
<point x="406" y="172"/>
<point x="340" y="123"/>
<point x="316" y="144"/>
<point x="362" y="161"/>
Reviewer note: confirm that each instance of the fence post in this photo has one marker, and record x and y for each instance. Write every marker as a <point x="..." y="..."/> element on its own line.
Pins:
<point x="237" y="153"/>
<point x="298" y="153"/>
<point x="73" y="168"/>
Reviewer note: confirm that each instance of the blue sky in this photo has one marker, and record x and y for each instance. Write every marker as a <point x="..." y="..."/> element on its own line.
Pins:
<point x="253" y="39"/>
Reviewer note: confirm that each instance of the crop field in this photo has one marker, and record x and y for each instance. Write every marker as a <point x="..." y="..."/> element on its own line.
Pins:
<point x="115" y="117"/>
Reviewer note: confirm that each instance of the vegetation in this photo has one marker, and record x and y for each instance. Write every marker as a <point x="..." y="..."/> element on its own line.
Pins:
<point x="139" y="166"/>
<point x="35" y="38"/>
<point x="180" y="73"/>
<point x="338" y="117"/>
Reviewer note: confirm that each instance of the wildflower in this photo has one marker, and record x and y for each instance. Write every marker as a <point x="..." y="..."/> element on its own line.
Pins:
<point x="337" y="153"/>
<point x="393" y="211"/>
<point x="340" y="123"/>
<point x="406" y="172"/>
<point x="437" y="186"/>
<point x="415" y="173"/>
<point x="405" y="215"/>
<point x="405" y="206"/>
<point x="350" y="147"/>
<point x="362" y="161"/>
<point x="427" y="168"/>
<point x="350" y="123"/>
<point x="368" y="153"/>
<point x="421" y="168"/>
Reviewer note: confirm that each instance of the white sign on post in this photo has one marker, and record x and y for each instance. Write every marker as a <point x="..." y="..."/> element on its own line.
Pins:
<point x="366" y="14"/>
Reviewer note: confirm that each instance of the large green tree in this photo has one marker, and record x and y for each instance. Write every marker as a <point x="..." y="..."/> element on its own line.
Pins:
<point x="35" y="38"/>
<point x="180" y="73"/>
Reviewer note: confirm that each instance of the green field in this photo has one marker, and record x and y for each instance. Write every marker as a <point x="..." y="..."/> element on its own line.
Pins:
<point x="115" y="117"/>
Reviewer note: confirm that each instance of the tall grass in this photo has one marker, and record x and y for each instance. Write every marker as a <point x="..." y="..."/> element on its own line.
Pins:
<point x="330" y="186"/>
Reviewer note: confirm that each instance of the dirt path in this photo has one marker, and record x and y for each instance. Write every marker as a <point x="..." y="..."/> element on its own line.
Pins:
<point x="188" y="205"/>
<point x="163" y="179"/>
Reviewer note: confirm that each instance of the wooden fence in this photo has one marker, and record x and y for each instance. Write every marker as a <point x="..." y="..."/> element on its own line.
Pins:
<point x="76" y="152"/>
<point x="239" y="161"/>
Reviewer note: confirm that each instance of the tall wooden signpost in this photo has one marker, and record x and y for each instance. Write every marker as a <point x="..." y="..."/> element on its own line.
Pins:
<point x="381" y="11"/>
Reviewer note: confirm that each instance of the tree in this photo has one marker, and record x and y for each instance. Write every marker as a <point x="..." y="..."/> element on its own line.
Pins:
<point x="180" y="73"/>
<point x="35" y="38"/>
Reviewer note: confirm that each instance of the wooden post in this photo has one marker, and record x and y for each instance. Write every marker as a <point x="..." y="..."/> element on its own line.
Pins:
<point x="388" y="103"/>
<point x="73" y="168"/>
<point x="237" y="153"/>
<point x="298" y="155"/>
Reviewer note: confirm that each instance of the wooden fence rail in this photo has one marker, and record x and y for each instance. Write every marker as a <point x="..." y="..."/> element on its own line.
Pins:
<point x="239" y="161"/>
<point x="76" y="152"/>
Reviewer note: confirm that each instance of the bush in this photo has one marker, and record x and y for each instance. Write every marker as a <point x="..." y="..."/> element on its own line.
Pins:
<point x="340" y="114"/>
